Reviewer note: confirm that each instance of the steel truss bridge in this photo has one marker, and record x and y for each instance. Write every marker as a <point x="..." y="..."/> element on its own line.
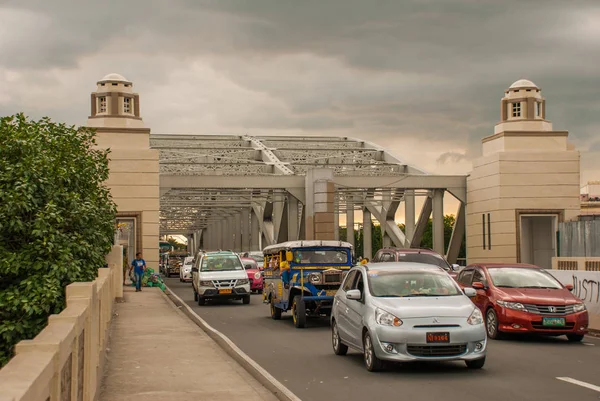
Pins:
<point x="246" y="192"/>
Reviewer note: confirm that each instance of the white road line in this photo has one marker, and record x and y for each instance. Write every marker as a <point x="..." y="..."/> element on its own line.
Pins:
<point x="589" y="344"/>
<point x="580" y="383"/>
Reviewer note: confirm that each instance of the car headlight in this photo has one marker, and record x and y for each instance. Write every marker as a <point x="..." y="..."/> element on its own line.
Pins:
<point x="206" y="284"/>
<point x="257" y="276"/>
<point x="511" y="305"/>
<point x="386" y="319"/>
<point x="475" y="318"/>
<point x="579" y="307"/>
<point x="243" y="281"/>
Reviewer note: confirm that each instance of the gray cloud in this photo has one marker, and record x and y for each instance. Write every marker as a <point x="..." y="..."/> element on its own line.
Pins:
<point x="388" y="71"/>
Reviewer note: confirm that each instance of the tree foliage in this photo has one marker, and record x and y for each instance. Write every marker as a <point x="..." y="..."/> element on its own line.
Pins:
<point x="56" y="220"/>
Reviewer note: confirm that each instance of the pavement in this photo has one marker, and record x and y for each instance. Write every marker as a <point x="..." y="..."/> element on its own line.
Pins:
<point x="520" y="368"/>
<point x="155" y="352"/>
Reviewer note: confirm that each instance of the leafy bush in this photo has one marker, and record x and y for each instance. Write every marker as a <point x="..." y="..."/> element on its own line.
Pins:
<point x="56" y="220"/>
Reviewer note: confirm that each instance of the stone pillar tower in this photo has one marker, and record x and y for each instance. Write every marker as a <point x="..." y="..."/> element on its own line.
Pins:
<point x="524" y="184"/>
<point x="133" y="181"/>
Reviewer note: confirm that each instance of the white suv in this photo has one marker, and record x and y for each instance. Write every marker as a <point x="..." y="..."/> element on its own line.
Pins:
<point x="220" y="275"/>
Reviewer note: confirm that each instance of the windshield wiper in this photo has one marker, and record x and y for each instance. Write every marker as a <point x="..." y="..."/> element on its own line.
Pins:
<point x="538" y="286"/>
<point x="506" y="286"/>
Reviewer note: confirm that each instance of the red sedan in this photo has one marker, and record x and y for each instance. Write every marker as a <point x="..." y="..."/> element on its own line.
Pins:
<point x="254" y="274"/>
<point x="521" y="298"/>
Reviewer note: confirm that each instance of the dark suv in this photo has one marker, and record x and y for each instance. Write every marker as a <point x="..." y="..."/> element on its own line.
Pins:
<point x="415" y="255"/>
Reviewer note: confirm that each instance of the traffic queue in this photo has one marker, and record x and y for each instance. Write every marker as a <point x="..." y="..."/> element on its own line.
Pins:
<point x="405" y="305"/>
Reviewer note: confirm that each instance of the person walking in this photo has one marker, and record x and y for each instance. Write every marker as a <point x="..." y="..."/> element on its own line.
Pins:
<point x="138" y="265"/>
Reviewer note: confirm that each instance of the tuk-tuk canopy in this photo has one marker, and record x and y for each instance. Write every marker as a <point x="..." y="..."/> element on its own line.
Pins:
<point x="288" y="246"/>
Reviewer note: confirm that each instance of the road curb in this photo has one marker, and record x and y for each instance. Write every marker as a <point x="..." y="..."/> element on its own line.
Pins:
<point x="258" y="372"/>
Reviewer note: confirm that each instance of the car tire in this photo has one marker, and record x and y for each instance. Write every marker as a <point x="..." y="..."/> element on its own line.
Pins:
<point x="299" y="312"/>
<point x="475" y="363"/>
<point x="372" y="363"/>
<point x="275" y="311"/>
<point x="201" y="301"/>
<point x="246" y="300"/>
<point x="575" y="338"/>
<point x="491" y="324"/>
<point x="336" y="342"/>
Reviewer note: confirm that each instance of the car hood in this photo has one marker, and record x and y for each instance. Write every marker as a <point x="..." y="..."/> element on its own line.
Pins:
<point x="416" y="307"/>
<point x="223" y="275"/>
<point x="252" y="272"/>
<point x="542" y="296"/>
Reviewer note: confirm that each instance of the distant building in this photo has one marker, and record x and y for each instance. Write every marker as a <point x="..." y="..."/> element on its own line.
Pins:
<point x="133" y="181"/>
<point x="590" y="198"/>
<point x="525" y="183"/>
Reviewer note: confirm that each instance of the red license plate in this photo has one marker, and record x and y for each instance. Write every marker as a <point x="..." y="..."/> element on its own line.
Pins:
<point x="438" y="337"/>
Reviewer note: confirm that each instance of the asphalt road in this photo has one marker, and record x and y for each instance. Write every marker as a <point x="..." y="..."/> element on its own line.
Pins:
<point x="302" y="359"/>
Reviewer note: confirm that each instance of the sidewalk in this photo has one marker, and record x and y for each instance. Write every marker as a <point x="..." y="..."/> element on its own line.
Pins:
<point x="158" y="353"/>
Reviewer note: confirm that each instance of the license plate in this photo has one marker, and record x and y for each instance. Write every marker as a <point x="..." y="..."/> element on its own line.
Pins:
<point x="553" y="321"/>
<point x="225" y="291"/>
<point x="438" y="337"/>
<point x="330" y="293"/>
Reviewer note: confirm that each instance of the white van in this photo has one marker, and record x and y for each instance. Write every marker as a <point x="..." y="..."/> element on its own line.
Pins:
<point x="220" y="275"/>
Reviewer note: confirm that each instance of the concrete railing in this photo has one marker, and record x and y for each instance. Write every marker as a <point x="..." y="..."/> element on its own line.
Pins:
<point x="65" y="360"/>
<point x="576" y="263"/>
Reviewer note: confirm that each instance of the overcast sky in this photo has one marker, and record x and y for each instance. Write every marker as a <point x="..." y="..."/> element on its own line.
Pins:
<point x="423" y="78"/>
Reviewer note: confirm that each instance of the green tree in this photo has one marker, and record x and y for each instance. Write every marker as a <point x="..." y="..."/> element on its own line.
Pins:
<point x="57" y="220"/>
<point x="178" y="246"/>
<point x="427" y="240"/>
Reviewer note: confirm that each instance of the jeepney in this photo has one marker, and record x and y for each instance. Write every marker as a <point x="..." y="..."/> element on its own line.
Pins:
<point x="303" y="276"/>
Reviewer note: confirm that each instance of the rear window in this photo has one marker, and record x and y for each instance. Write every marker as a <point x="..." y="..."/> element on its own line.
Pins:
<point x="428" y="258"/>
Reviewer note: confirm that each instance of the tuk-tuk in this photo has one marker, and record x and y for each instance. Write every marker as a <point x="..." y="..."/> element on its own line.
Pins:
<point x="303" y="276"/>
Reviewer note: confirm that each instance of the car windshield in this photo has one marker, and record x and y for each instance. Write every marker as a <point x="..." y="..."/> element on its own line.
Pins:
<point x="258" y="258"/>
<point x="431" y="283"/>
<point x="221" y="263"/>
<point x="321" y="256"/>
<point x="428" y="258"/>
<point x="515" y="277"/>
<point x="249" y="264"/>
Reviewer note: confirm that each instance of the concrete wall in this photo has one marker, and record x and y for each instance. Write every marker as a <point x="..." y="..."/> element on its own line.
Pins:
<point x="584" y="275"/>
<point x="134" y="184"/>
<point x="505" y="184"/>
<point x="65" y="361"/>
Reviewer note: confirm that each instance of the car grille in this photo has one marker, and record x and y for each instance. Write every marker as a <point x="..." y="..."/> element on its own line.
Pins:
<point x="540" y="326"/>
<point x="332" y="278"/>
<point x="224" y="283"/>
<point x="436" y="350"/>
<point x="555" y="310"/>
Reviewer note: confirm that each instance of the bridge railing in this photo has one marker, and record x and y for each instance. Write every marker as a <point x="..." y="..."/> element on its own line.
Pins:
<point x="65" y="360"/>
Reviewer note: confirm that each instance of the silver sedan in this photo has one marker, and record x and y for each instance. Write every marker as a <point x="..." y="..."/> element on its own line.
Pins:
<point x="407" y="312"/>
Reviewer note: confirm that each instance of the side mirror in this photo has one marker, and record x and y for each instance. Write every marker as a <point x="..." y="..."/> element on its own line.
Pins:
<point x="569" y="287"/>
<point x="478" y="286"/>
<point x="354" y="294"/>
<point x="470" y="292"/>
<point x="455" y="267"/>
<point x="289" y="256"/>
<point x="194" y="269"/>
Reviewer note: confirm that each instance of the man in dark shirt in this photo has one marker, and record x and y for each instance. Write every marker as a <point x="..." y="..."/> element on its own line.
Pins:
<point x="139" y="265"/>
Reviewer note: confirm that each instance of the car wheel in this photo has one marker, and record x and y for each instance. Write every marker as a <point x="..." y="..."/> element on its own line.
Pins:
<point x="338" y="347"/>
<point x="299" y="312"/>
<point x="275" y="311"/>
<point x="246" y="300"/>
<point x="372" y="363"/>
<point x="575" y="338"/>
<point x="491" y="324"/>
<point x="475" y="363"/>
<point x="201" y="301"/>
